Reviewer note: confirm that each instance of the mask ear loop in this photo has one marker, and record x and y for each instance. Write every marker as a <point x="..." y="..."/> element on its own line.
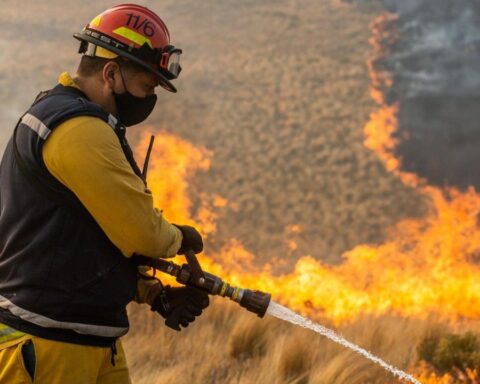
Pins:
<point x="123" y="80"/>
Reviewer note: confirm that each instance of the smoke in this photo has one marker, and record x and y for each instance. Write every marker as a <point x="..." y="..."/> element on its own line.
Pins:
<point x="435" y="64"/>
<point x="36" y="45"/>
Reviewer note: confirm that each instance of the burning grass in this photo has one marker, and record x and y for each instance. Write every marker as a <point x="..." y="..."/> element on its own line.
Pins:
<point x="425" y="274"/>
<point x="280" y="102"/>
<point x="426" y="265"/>
<point x="456" y="353"/>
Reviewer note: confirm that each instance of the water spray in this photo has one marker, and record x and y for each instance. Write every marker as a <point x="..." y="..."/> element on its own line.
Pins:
<point x="257" y="302"/>
<point x="283" y="313"/>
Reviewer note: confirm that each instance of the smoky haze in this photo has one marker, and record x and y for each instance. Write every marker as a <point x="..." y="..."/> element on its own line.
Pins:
<point x="278" y="91"/>
<point x="436" y="72"/>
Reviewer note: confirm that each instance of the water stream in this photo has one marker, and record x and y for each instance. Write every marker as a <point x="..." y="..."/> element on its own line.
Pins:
<point x="283" y="313"/>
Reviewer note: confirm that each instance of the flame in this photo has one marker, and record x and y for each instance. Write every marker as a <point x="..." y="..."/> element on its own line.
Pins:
<point x="427" y="266"/>
<point x="426" y="376"/>
<point x="174" y="163"/>
<point x="379" y="131"/>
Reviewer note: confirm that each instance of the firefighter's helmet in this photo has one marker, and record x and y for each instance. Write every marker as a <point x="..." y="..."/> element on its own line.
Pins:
<point x="136" y="33"/>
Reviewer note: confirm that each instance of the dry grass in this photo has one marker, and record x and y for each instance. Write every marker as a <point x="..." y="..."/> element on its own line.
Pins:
<point x="249" y="339"/>
<point x="230" y="345"/>
<point x="278" y="90"/>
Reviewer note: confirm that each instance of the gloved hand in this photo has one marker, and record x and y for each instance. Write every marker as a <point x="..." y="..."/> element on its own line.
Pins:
<point x="180" y="305"/>
<point x="191" y="239"/>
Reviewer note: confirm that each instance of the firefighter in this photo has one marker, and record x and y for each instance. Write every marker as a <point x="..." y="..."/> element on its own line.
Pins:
<point x="75" y="210"/>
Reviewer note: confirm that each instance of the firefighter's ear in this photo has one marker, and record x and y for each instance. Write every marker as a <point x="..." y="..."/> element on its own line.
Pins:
<point x="109" y="73"/>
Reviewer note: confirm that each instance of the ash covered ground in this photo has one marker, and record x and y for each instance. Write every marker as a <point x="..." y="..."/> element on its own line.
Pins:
<point x="278" y="91"/>
<point x="436" y="78"/>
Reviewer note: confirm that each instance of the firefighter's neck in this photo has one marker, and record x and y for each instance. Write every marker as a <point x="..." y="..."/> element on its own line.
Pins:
<point x="98" y="92"/>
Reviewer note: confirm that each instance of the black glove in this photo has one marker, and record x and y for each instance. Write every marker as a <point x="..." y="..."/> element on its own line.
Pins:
<point x="180" y="306"/>
<point x="191" y="239"/>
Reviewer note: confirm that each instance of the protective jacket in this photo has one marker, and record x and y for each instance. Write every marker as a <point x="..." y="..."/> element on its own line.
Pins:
<point x="61" y="277"/>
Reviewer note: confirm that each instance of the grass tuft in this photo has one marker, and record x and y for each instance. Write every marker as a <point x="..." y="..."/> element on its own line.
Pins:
<point x="294" y="360"/>
<point x="450" y="352"/>
<point x="248" y="339"/>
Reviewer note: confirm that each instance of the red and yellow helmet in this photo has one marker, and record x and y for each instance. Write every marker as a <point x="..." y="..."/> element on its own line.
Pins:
<point x="137" y="34"/>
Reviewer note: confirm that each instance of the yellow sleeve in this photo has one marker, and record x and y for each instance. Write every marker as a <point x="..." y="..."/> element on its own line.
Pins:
<point x="85" y="155"/>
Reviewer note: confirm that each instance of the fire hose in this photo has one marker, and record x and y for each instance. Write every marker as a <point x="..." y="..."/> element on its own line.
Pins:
<point x="191" y="274"/>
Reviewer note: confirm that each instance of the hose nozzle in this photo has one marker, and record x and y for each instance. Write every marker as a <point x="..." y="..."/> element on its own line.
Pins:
<point x="191" y="274"/>
<point x="255" y="301"/>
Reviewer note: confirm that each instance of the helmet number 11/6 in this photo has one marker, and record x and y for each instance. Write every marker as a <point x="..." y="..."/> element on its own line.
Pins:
<point x="148" y="26"/>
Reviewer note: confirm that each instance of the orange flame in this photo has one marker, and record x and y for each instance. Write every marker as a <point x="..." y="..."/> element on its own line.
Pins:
<point x="426" y="266"/>
<point x="383" y="122"/>
<point x="426" y="376"/>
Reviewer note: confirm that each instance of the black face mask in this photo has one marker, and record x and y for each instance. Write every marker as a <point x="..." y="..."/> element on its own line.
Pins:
<point x="132" y="109"/>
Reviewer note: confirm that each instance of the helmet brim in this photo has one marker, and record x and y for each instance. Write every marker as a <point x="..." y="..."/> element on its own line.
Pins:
<point x="164" y="82"/>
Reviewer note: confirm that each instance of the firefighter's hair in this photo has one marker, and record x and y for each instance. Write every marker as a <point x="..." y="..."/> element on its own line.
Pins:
<point x="90" y="66"/>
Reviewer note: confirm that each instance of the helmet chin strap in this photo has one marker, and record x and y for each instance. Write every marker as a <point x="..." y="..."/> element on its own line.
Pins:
<point x="123" y="80"/>
<point x="114" y="94"/>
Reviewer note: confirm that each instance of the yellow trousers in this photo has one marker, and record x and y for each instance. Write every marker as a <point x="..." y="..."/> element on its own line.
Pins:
<point x="60" y="363"/>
